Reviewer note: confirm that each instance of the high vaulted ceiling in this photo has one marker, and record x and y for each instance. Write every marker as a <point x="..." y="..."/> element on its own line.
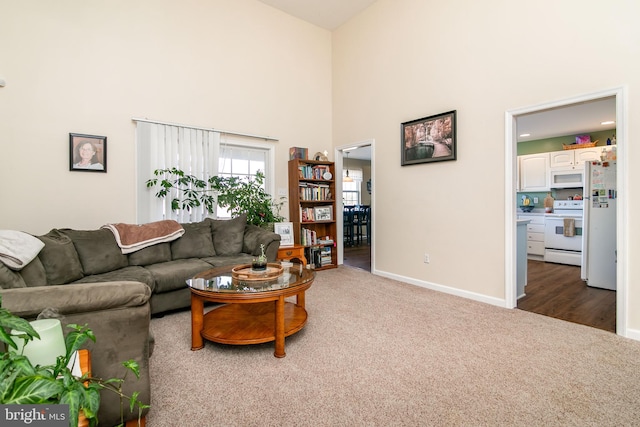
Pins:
<point x="568" y="120"/>
<point x="328" y="14"/>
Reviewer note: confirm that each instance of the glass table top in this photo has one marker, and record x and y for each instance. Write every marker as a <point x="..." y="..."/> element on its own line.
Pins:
<point x="223" y="282"/>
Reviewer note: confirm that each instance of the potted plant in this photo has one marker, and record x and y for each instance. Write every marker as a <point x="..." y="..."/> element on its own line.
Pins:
<point x="22" y="383"/>
<point x="237" y="194"/>
<point x="260" y="263"/>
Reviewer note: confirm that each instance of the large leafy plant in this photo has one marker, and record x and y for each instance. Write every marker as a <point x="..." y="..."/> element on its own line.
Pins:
<point x="23" y="383"/>
<point x="237" y="194"/>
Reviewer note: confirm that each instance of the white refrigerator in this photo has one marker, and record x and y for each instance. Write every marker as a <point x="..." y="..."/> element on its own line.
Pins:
<point x="599" y="253"/>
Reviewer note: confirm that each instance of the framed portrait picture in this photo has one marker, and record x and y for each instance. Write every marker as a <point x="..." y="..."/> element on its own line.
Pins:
<point x="429" y="139"/>
<point x="285" y="230"/>
<point x="323" y="213"/>
<point x="87" y="153"/>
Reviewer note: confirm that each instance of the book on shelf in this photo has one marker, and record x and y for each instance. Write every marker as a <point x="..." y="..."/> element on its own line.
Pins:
<point x="307" y="214"/>
<point x="313" y="171"/>
<point x="308" y="237"/>
<point x="319" y="256"/>
<point x="325" y="241"/>
<point x="314" y="191"/>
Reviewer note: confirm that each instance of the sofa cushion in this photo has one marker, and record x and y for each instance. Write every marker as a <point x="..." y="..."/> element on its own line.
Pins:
<point x="171" y="275"/>
<point x="231" y="260"/>
<point x="97" y="250"/>
<point x="9" y="279"/>
<point x="59" y="258"/>
<point x="34" y="274"/>
<point x="228" y="234"/>
<point x="127" y="274"/>
<point x="151" y="255"/>
<point x="195" y="243"/>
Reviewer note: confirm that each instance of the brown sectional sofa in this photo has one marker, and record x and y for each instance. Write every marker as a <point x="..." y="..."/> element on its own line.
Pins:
<point x="86" y="277"/>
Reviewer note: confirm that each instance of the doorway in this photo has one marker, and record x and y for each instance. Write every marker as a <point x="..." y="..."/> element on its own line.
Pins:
<point x="511" y="138"/>
<point x="355" y="204"/>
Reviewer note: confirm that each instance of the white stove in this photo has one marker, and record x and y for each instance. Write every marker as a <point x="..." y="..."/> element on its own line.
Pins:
<point x="563" y="233"/>
<point x="567" y="207"/>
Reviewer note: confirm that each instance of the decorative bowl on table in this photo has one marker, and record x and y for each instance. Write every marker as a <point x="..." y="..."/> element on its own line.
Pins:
<point x="246" y="272"/>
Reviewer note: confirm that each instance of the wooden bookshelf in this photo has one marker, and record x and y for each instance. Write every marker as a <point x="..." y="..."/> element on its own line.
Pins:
<point x="312" y="209"/>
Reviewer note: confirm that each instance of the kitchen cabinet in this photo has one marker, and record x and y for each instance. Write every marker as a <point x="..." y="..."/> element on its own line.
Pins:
<point x="574" y="158"/>
<point x="534" y="172"/>
<point x="535" y="235"/>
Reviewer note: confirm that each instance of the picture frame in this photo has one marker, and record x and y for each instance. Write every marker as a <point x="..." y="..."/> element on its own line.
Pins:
<point x="429" y="139"/>
<point x="298" y="153"/>
<point x="323" y="213"/>
<point x="285" y="230"/>
<point x="87" y="153"/>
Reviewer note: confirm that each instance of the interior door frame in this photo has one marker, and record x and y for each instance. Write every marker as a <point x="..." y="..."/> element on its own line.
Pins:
<point x="622" y="212"/>
<point x="339" y="156"/>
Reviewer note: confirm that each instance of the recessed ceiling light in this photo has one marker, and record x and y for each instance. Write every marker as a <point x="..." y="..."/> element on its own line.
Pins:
<point x="608" y="122"/>
<point x="525" y="134"/>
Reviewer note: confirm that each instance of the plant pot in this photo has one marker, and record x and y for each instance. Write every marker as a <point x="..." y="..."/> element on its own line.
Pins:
<point x="259" y="265"/>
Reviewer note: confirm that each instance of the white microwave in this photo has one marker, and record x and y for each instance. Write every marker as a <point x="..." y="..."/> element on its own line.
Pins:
<point x="566" y="178"/>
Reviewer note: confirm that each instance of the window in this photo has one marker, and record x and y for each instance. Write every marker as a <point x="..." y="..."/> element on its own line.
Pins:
<point x="351" y="190"/>
<point x="200" y="152"/>
<point x="243" y="160"/>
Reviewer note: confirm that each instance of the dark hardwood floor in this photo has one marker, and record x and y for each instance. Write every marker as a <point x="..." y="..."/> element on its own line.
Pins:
<point x="556" y="290"/>
<point x="358" y="256"/>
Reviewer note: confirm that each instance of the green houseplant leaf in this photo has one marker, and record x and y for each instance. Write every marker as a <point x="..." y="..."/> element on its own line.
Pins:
<point x="236" y="194"/>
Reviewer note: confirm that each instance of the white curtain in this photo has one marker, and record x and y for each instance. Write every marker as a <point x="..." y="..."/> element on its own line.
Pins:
<point x="160" y="146"/>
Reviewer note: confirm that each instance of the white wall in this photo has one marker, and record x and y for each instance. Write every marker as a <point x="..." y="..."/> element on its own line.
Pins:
<point x="89" y="67"/>
<point x="405" y="59"/>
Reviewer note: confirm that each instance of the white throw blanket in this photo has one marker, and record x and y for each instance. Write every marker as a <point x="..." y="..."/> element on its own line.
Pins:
<point x="17" y="249"/>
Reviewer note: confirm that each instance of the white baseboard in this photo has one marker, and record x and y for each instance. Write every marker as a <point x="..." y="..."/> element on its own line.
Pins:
<point x="440" y="288"/>
<point x="633" y="334"/>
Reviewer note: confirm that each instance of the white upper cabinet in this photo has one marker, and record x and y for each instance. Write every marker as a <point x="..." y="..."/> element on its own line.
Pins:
<point x="569" y="158"/>
<point x="562" y="158"/>
<point x="534" y="172"/>
<point x="587" y="155"/>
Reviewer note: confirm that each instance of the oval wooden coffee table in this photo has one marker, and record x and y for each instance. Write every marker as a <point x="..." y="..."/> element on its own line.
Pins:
<point x="254" y="311"/>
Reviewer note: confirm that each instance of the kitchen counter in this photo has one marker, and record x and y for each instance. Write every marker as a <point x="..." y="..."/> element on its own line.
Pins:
<point x="533" y="212"/>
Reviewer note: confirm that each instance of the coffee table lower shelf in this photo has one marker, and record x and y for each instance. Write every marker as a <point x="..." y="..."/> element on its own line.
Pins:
<point x="240" y="324"/>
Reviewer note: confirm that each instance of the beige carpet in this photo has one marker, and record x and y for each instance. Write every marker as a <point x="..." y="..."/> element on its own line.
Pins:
<point x="377" y="352"/>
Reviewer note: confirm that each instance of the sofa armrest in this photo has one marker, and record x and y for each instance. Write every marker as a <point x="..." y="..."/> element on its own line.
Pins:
<point x="74" y="298"/>
<point x="118" y="313"/>
<point x="254" y="236"/>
